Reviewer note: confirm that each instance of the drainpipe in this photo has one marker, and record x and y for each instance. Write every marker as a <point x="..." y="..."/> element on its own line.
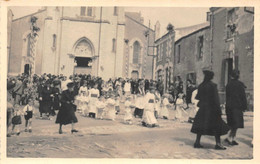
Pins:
<point x="100" y="24"/>
<point x="116" y="47"/>
<point x="60" y="41"/>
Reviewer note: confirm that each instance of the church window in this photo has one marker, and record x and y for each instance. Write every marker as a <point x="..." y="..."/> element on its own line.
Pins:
<point x="90" y="11"/>
<point x="54" y="40"/>
<point x="114" y="45"/>
<point x="136" y="52"/>
<point x="115" y="11"/>
<point x="82" y="11"/>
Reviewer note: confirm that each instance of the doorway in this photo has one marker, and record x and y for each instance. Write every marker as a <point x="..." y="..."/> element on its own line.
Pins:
<point x="83" y="65"/>
<point x="27" y="69"/>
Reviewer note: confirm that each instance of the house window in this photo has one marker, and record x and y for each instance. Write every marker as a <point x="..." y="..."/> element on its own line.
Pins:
<point x="115" y="11"/>
<point x="29" y="45"/>
<point x="82" y="11"/>
<point x="90" y="11"/>
<point x="179" y="54"/>
<point x="136" y="52"/>
<point x="230" y="23"/>
<point x="200" y="47"/>
<point x="54" y="40"/>
<point x="114" y="45"/>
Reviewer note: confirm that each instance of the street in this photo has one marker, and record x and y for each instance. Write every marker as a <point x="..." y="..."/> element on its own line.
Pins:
<point x="114" y="139"/>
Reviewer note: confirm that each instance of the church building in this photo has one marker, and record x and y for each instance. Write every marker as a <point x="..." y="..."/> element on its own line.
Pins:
<point x="101" y="41"/>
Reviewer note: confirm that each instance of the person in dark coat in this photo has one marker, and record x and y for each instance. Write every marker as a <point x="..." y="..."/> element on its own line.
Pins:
<point x="189" y="91"/>
<point x="208" y="119"/>
<point x="56" y="94"/>
<point x="66" y="114"/>
<point x="46" y="99"/>
<point x="236" y="104"/>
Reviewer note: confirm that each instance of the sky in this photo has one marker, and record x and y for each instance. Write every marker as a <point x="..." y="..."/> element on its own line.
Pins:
<point x="177" y="16"/>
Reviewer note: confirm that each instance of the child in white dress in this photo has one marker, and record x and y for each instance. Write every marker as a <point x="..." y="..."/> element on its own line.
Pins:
<point x="158" y="104"/>
<point x="149" y="119"/>
<point x="101" y="104"/>
<point x="180" y="113"/>
<point x="193" y="109"/>
<point x="93" y="98"/>
<point x="110" y="112"/>
<point x="128" y="118"/>
<point x="165" y="107"/>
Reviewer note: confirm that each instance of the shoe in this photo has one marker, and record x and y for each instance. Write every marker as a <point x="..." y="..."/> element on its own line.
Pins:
<point x="25" y="130"/>
<point x="220" y="147"/>
<point x="74" y="130"/>
<point x="227" y="141"/>
<point x="30" y="130"/>
<point x="234" y="143"/>
<point x="18" y="133"/>
<point x="8" y="135"/>
<point x="60" y="131"/>
<point x="198" y="146"/>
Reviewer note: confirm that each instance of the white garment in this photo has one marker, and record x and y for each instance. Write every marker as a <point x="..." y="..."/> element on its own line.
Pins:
<point x="93" y="98"/>
<point x="139" y="102"/>
<point x="100" y="108"/>
<point x="127" y="87"/>
<point x="110" y="112"/>
<point x="165" y="108"/>
<point x="149" y="108"/>
<point x="83" y="89"/>
<point x="28" y="108"/>
<point x="128" y="111"/>
<point x="180" y="113"/>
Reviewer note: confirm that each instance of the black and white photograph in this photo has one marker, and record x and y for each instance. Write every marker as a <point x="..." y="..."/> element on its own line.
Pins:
<point x="131" y="82"/>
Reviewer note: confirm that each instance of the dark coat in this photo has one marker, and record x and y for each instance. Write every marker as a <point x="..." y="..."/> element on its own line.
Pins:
<point x="67" y="110"/>
<point x="56" y="98"/>
<point x="236" y="103"/>
<point x="46" y="103"/>
<point x="208" y="119"/>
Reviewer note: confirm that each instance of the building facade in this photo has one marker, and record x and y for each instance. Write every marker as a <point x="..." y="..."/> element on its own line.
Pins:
<point x="87" y="40"/>
<point x="165" y="58"/>
<point x="232" y="46"/>
<point x="223" y="43"/>
<point x="192" y="55"/>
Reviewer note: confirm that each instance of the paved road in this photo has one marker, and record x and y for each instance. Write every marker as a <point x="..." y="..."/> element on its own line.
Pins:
<point x="113" y="139"/>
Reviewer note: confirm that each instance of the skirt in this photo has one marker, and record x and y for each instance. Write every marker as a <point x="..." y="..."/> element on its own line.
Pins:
<point x="16" y="120"/>
<point x="29" y="115"/>
<point x="66" y="116"/>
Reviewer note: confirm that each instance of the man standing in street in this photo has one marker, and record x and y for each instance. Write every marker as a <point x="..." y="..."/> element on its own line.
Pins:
<point x="236" y="104"/>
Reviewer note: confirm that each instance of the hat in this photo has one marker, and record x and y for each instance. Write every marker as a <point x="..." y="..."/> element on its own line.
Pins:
<point x="70" y="85"/>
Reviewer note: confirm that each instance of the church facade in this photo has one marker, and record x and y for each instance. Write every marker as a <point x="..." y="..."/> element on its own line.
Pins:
<point x="79" y="40"/>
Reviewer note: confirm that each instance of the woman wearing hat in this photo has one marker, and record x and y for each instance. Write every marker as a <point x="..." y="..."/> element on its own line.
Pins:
<point x="208" y="119"/>
<point x="66" y="113"/>
<point x="46" y="99"/>
<point x="236" y="103"/>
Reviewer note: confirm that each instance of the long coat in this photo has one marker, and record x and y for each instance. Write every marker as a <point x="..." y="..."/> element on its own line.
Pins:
<point x="67" y="110"/>
<point x="236" y="103"/>
<point x="208" y="119"/>
<point x="46" y="103"/>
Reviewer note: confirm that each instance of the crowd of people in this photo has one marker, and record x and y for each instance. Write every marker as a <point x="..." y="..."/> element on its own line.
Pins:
<point x="140" y="98"/>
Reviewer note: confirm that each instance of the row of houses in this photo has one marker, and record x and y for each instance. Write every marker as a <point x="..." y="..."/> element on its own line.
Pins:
<point x="224" y="42"/>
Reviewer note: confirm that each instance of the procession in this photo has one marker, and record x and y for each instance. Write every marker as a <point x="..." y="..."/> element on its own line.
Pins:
<point x="100" y="82"/>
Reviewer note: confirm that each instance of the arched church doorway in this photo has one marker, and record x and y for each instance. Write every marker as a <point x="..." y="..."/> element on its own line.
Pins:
<point x="84" y="52"/>
<point x="135" y="74"/>
<point x="83" y="65"/>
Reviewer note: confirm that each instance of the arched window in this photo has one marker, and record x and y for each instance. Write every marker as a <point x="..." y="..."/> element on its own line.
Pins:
<point x="136" y="52"/>
<point x="28" y="45"/>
